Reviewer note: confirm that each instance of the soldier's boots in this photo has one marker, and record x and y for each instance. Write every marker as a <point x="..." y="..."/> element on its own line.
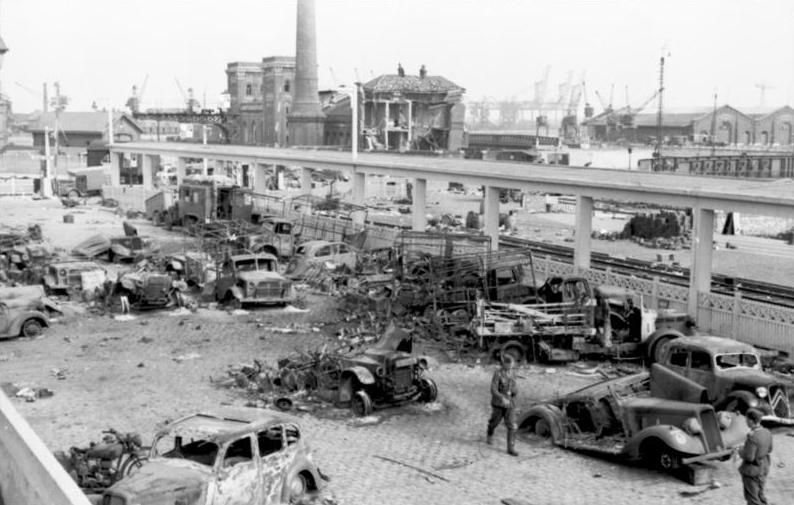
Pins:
<point x="489" y="438"/>
<point x="511" y="443"/>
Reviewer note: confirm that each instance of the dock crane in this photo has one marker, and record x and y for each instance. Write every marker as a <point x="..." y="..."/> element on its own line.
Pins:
<point x="190" y="101"/>
<point x="135" y="99"/>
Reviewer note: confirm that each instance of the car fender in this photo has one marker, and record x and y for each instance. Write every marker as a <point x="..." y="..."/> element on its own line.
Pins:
<point x="749" y="398"/>
<point x="671" y="436"/>
<point x="236" y="292"/>
<point x="363" y="375"/>
<point x="547" y="412"/>
<point x="19" y="320"/>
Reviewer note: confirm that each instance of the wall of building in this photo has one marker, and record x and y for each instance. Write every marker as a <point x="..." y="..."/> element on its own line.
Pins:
<point x="278" y="83"/>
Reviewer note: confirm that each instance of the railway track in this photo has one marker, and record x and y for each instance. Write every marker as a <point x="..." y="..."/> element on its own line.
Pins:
<point x="750" y="289"/>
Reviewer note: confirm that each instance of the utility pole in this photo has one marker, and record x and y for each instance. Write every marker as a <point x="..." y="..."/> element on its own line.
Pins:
<point x="46" y="187"/>
<point x="57" y="119"/>
<point x="658" y="152"/>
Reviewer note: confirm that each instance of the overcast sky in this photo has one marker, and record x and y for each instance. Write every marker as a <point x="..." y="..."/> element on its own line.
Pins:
<point x="97" y="49"/>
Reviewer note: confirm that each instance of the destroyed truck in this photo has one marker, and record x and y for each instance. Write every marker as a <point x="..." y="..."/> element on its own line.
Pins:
<point x="577" y="321"/>
<point x="252" y="279"/>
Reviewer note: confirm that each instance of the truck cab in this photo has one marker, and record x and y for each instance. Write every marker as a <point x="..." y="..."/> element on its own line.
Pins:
<point x="252" y="278"/>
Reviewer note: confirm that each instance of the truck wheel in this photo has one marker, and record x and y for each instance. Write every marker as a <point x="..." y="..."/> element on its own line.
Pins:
<point x="361" y="404"/>
<point x="31" y="328"/>
<point x="514" y="350"/>
<point x="429" y="390"/>
<point x="656" y="349"/>
<point x="232" y="303"/>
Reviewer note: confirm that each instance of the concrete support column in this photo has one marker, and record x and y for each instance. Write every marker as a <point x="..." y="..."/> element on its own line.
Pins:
<point x="115" y="168"/>
<point x="260" y="177"/>
<point x="306" y="181"/>
<point x="702" y="248"/>
<point x="359" y="187"/>
<point x="584" y="228"/>
<point x="147" y="169"/>
<point x="181" y="170"/>
<point x="419" y="210"/>
<point x="491" y="215"/>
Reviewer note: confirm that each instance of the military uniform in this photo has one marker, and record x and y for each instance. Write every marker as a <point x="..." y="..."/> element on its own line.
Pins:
<point x="755" y="464"/>
<point x="503" y="392"/>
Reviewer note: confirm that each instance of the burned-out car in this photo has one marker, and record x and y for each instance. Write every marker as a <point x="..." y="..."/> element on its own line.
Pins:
<point x="385" y="374"/>
<point x="726" y="373"/>
<point x="252" y="279"/>
<point x="620" y="417"/>
<point x="250" y="456"/>
<point x="21" y="321"/>
<point x="79" y="275"/>
<point x="149" y="290"/>
<point x="132" y="248"/>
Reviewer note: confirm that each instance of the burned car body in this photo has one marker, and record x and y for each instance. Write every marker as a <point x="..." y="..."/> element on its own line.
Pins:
<point x="385" y="374"/>
<point x="21" y="321"/>
<point x="232" y="456"/>
<point x="132" y="248"/>
<point x="725" y="373"/>
<point x="67" y="275"/>
<point x="619" y="417"/>
<point x="252" y="278"/>
<point x="148" y="290"/>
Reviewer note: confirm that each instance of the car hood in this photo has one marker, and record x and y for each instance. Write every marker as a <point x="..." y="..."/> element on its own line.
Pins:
<point x="260" y="275"/>
<point x="162" y="480"/>
<point x="749" y="377"/>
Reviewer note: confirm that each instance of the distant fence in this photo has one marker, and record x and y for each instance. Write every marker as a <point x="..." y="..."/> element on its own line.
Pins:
<point x="29" y="473"/>
<point x="757" y="323"/>
<point x="12" y="185"/>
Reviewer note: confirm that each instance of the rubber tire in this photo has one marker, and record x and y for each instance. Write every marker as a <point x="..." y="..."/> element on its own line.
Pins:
<point x="661" y="457"/>
<point x="655" y="352"/>
<point x="298" y="488"/>
<point x="429" y="390"/>
<point x="512" y="350"/>
<point x="361" y="404"/>
<point x="31" y="328"/>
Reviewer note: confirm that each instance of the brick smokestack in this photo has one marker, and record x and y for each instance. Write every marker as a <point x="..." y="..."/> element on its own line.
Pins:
<point x="306" y="119"/>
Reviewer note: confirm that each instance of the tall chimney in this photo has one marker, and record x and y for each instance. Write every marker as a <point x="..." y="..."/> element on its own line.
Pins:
<point x="306" y="119"/>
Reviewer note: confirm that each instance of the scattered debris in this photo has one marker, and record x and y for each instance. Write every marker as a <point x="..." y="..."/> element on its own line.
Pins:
<point x="186" y="357"/>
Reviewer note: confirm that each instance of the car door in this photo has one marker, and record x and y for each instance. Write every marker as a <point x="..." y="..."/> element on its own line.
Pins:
<point x="5" y="320"/>
<point x="701" y="370"/>
<point x="237" y="474"/>
<point x="322" y="254"/>
<point x="275" y="459"/>
<point x="346" y="256"/>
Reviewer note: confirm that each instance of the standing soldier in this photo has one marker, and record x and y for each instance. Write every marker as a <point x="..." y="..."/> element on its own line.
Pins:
<point x="755" y="459"/>
<point x="503" y="392"/>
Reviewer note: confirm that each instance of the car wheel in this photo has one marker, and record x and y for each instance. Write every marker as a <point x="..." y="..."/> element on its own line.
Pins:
<point x="429" y="390"/>
<point x="31" y="328"/>
<point x="298" y="488"/>
<point x="361" y="404"/>
<point x="658" y="455"/>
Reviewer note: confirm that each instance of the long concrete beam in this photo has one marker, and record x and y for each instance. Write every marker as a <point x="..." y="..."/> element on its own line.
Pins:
<point x="773" y="198"/>
<point x="29" y="473"/>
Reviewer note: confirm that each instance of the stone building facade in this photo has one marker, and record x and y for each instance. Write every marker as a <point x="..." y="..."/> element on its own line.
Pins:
<point x="260" y="100"/>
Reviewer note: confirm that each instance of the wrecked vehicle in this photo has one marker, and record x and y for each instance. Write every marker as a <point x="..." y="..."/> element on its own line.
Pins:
<point x="21" y="321"/>
<point x="619" y="417"/>
<point x="132" y="248"/>
<point x="233" y="456"/>
<point x="148" y="290"/>
<point x="195" y="268"/>
<point x="252" y="279"/>
<point x="93" y="246"/>
<point x="727" y="374"/>
<point x="321" y="252"/>
<point x="73" y="275"/>
<point x="385" y="374"/>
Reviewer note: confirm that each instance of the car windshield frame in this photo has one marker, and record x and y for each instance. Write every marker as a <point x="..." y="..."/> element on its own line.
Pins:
<point x="206" y="457"/>
<point x="741" y="360"/>
<point x="255" y="264"/>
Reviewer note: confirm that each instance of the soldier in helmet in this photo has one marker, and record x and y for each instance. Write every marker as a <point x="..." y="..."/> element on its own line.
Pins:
<point x="503" y="392"/>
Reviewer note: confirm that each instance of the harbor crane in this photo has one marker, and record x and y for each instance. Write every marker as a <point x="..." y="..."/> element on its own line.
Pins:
<point x="135" y="99"/>
<point x="190" y="100"/>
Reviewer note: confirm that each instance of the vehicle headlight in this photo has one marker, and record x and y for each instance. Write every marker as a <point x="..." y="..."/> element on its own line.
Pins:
<point x="762" y="392"/>
<point x="692" y="426"/>
<point x="250" y="286"/>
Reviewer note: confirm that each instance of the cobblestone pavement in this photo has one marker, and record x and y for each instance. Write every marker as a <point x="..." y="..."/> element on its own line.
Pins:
<point x="124" y="374"/>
